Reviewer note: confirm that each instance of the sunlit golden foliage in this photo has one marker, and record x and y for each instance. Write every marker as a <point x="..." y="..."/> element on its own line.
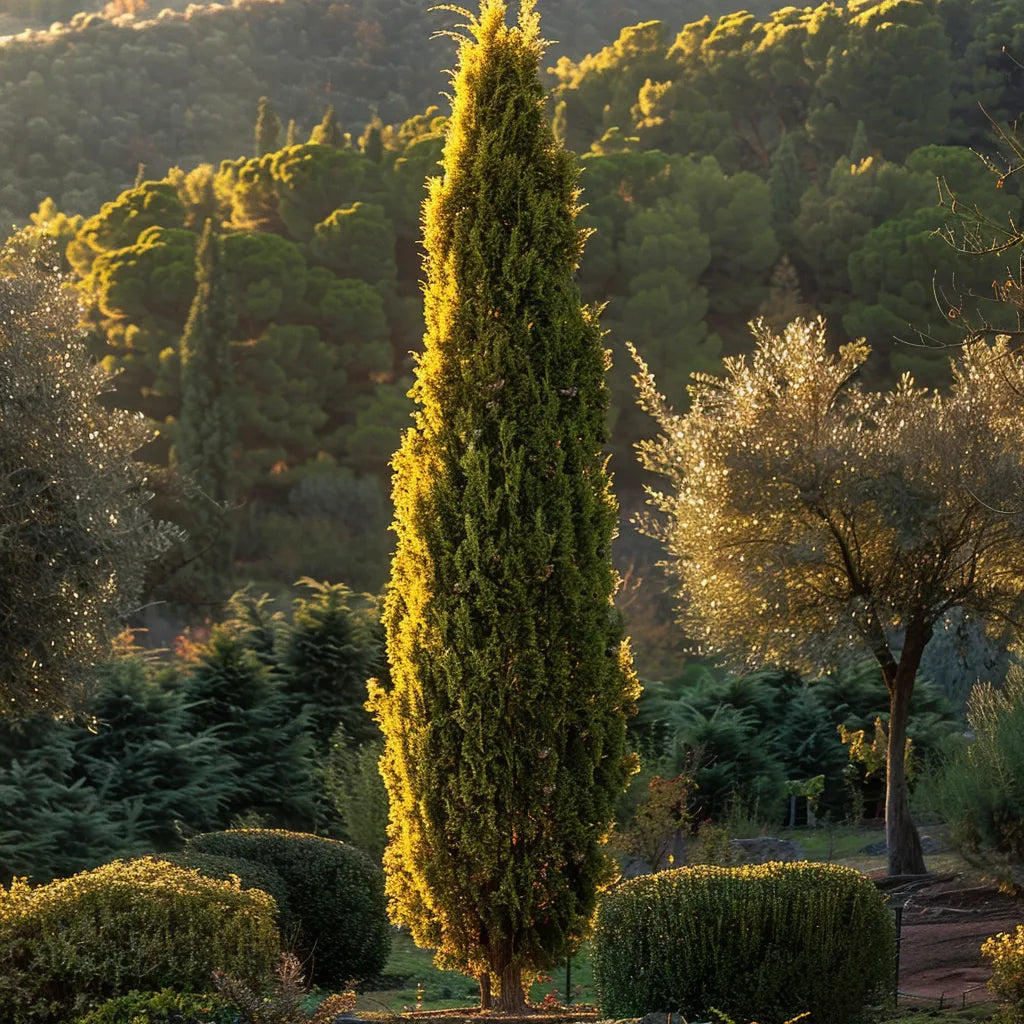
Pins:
<point x="806" y="516"/>
<point x="67" y="946"/>
<point x="762" y="942"/>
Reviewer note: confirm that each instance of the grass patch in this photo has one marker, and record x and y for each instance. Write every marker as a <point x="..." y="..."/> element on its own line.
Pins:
<point x="419" y="983"/>
<point x="960" y="1015"/>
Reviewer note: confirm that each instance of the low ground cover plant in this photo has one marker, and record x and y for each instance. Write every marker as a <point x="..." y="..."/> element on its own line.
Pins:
<point x="70" y="945"/>
<point x="764" y="942"/>
<point x="163" y="1007"/>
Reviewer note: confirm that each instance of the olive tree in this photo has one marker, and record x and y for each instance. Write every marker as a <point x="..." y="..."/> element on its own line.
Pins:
<point x="806" y="518"/>
<point x="75" y="537"/>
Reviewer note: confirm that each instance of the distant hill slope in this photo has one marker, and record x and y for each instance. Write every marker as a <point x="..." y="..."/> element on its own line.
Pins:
<point x="82" y="104"/>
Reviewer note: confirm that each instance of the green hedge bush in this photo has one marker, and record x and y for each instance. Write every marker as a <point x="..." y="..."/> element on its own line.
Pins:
<point x="68" y="946"/>
<point x="763" y="942"/>
<point x="250" y="873"/>
<point x="333" y="897"/>
<point x="163" y="1007"/>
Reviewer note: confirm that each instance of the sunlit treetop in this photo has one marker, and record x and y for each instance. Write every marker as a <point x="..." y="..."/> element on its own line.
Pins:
<point x="806" y="517"/>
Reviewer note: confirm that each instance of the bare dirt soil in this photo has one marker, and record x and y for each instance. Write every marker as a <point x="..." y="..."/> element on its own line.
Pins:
<point x="944" y="925"/>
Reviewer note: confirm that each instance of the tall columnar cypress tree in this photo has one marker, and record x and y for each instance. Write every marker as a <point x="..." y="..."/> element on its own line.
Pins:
<point x="505" y="716"/>
<point x="267" y="133"/>
<point x="207" y="428"/>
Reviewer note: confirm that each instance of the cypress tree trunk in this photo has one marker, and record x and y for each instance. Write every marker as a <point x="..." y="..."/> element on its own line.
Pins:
<point x="510" y="677"/>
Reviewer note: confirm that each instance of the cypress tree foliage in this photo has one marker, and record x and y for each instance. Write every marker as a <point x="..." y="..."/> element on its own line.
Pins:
<point x="505" y="715"/>
<point x="207" y="428"/>
<point x="268" y="129"/>
<point x="786" y="183"/>
<point x="328" y="132"/>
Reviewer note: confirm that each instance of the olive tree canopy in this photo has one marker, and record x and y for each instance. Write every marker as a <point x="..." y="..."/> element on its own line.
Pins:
<point x="74" y="534"/>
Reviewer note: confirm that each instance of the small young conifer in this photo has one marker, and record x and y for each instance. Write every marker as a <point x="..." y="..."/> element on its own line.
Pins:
<point x="505" y="716"/>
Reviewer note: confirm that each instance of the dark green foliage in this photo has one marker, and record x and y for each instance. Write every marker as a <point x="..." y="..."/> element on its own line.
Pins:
<point x="68" y="946"/>
<point x="290" y="345"/>
<point x="327" y="655"/>
<point x="75" y="537"/>
<point x="787" y="184"/>
<point x="119" y="783"/>
<point x="354" y="787"/>
<point x="765" y="942"/>
<point x="52" y="822"/>
<point x="143" y="762"/>
<point x="741" y="738"/>
<point x="206" y="438"/>
<point x="504" y="718"/>
<point x="163" y="1007"/>
<point x="333" y="891"/>
<point x="207" y="423"/>
<point x="264" y="751"/>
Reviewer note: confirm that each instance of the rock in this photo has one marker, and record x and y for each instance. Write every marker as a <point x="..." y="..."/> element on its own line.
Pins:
<point x="764" y="849"/>
<point x="928" y="845"/>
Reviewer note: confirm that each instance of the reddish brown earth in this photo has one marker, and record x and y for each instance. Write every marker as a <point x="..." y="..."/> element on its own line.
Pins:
<point x="944" y="926"/>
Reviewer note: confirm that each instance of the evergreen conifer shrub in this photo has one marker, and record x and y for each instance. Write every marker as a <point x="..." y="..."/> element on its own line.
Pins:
<point x="510" y="678"/>
<point x="764" y="942"/>
<point x="333" y="896"/>
<point x="68" y="946"/>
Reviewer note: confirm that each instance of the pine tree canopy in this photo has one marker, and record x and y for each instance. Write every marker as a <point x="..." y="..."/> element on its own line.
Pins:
<point x="510" y="677"/>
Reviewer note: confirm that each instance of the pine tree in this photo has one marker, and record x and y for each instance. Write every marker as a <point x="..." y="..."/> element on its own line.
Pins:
<point x="504" y="719"/>
<point x="207" y="429"/>
<point x="327" y="656"/>
<point x="263" y="747"/>
<point x="268" y="129"/>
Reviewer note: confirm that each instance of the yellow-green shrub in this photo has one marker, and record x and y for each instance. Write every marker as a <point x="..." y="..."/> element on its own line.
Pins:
<point x="1006" y="952"/>
<point x="67" y="946"/>
<point x="763" y="942"/>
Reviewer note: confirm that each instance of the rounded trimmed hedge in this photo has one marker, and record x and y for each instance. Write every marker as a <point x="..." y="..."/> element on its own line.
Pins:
<point x="764" y="942"/>
<point x="68" y="946"/>
<point x="333" y="908"/>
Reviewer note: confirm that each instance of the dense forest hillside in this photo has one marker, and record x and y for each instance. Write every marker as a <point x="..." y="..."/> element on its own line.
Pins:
<point x="82" y="104"/>
<point x="781" y="165"/>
